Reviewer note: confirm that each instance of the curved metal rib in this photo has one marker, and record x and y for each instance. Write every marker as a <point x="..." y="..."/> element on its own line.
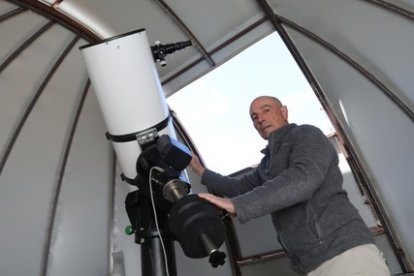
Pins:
<point x="24" y="45"/>
<point x="12" y="13"/>
<point x="41" y="7"/>
<point x="277" y="20"/>
<point x="218" y="48"/>
<point x="393" y="8"/>
<point x="187" y="31"/>
<point x="56" y="191"/>
<point x="388" y="92"/>
<point x="32" y="103"/>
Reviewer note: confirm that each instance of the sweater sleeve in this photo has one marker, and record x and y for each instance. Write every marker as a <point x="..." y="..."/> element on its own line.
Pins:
<point x="311" y="156"/>
<point x="229" y="186"/>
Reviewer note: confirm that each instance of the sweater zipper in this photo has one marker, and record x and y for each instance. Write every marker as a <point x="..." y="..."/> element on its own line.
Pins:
<point x="317" y="227"/>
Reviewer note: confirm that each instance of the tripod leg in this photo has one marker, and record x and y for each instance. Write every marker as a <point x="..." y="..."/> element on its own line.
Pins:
<point x="154" y="261"/>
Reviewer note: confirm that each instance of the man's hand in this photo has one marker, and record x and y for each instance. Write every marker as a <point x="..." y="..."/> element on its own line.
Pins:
<point x="223" y="203"/>
<point x="196" y="166"/>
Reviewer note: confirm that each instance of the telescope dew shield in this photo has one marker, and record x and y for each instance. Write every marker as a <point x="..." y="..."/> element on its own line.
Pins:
<point x="127" y="86"/>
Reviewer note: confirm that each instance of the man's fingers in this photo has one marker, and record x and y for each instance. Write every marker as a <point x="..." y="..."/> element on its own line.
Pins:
<point x="206" y="196"/>
<point x="223" y="203"/>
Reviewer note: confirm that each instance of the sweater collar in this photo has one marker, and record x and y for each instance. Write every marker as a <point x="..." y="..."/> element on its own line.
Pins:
<point x="276" y="137"/>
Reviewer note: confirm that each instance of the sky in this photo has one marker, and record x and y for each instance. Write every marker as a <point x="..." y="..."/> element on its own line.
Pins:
<point x="215" y="108"/>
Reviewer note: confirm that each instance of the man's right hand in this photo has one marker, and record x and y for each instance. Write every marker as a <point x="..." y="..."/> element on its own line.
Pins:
<point x="196" y="165"/>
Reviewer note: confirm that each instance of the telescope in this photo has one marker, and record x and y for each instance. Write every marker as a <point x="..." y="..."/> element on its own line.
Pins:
<point x="162" y="209"/>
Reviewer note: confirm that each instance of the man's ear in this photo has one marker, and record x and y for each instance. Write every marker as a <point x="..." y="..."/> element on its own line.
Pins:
<point x="285" y="112"/>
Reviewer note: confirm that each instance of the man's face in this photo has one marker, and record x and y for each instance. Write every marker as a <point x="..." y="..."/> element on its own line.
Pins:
<point x="267" y="115"/>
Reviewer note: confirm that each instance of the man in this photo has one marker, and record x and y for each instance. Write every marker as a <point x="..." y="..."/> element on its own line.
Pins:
<point x="299" y="184"/>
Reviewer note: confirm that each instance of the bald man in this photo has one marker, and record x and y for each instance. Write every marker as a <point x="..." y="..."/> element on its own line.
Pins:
<point x="298" y="182"/>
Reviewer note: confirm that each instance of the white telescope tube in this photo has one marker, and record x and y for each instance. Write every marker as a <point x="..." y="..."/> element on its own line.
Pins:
<point x="126" y="83"/>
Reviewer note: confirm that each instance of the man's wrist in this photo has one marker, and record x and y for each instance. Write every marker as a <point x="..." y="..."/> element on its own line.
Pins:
<point x="200" y="171"/>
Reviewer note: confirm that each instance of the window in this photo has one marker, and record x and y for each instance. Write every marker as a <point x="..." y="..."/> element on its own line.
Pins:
<point x="215" y="108"/>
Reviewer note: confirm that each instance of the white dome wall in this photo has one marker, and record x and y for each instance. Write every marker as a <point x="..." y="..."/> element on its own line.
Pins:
<point x="61" y="206"/>
<point x="44" y="195"/>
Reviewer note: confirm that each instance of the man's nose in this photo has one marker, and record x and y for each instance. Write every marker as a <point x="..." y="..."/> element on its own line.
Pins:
<point x="260" y="119"/>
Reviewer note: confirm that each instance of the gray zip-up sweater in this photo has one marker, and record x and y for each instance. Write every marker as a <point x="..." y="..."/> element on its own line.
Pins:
<point x="299" y="183"/>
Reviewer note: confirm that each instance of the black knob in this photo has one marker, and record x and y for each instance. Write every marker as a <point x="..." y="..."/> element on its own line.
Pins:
<point x="217" y="258"/>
